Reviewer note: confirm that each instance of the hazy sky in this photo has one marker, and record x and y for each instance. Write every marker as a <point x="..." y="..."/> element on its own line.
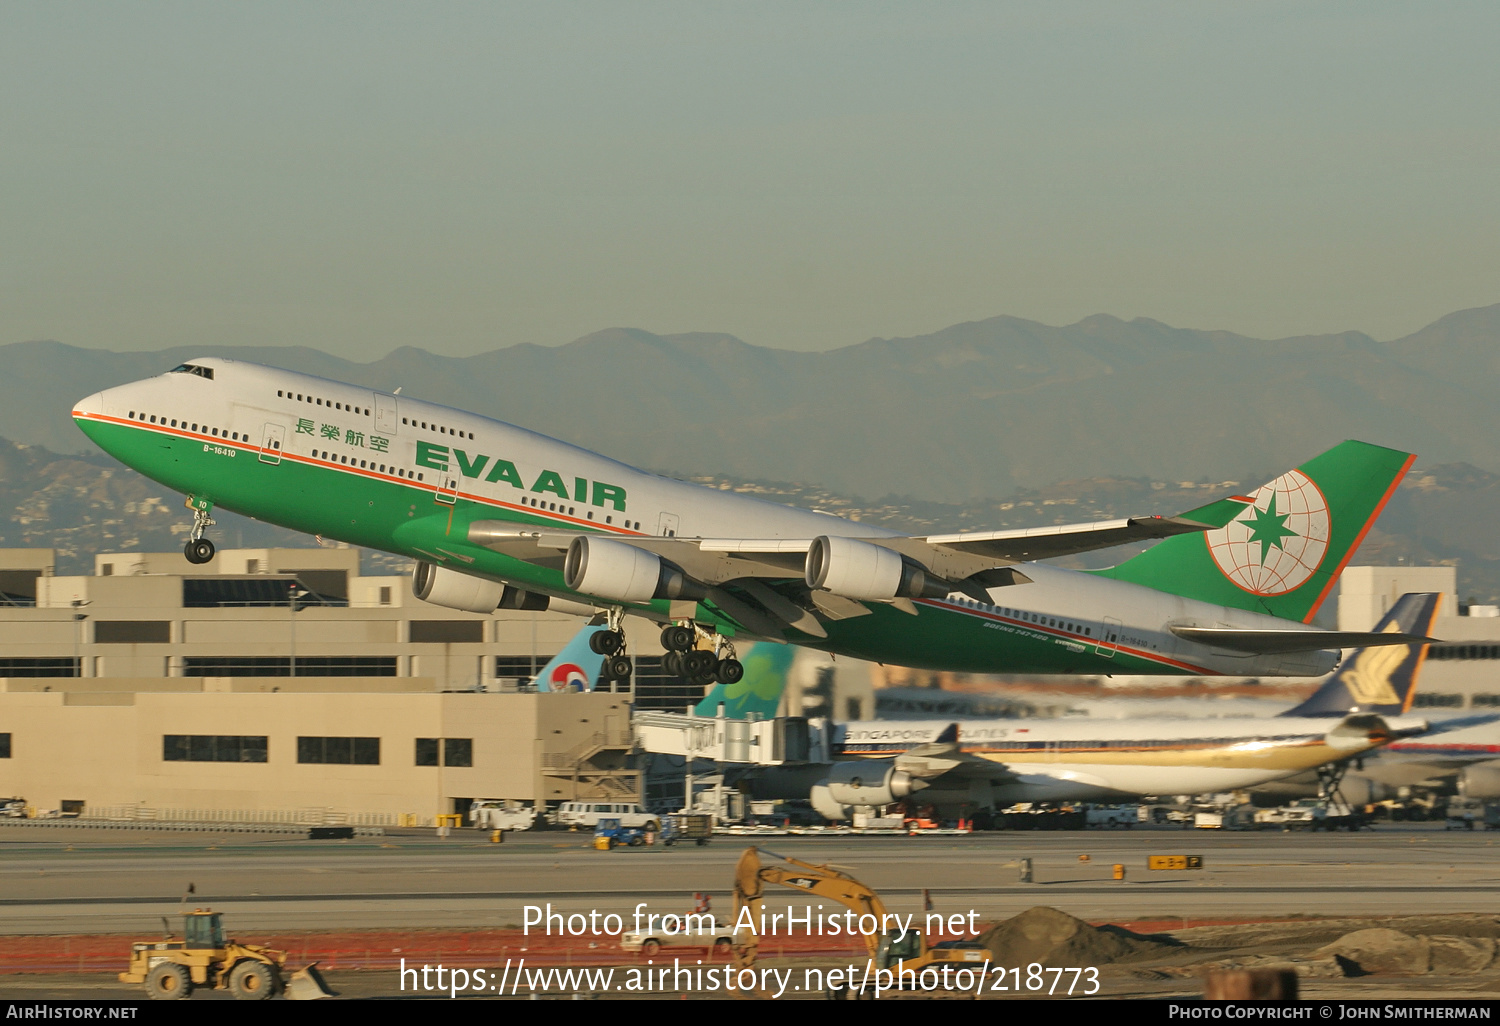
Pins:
<point x="361" y="176"/>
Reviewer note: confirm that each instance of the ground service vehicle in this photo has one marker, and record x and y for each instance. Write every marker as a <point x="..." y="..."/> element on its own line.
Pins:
<point x="609" y="833"/>
<point x="683" y="827"/>
<point x="488" y="814"/>
<point x="171" y="969"/>
<point x="907" y="951"/>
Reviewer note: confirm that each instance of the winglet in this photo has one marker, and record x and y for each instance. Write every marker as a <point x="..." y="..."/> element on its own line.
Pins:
<point x="949" y="736"/>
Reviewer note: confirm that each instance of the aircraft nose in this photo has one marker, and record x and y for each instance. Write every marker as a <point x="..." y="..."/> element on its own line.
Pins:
<point x="93" y="406"/>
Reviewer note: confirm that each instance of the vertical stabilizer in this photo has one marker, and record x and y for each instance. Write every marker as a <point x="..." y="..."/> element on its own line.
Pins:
<point x="576" y="667"/>
<point x="759" y="691"/>
<point x="1283" y="553"/>
<point x="1382" y="679"/>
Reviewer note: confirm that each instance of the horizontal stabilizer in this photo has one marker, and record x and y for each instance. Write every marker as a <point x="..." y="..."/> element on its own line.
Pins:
<point x="1379" y="679"/>
<point x="1032" y="543"/>
<point x="1257" y="642"/>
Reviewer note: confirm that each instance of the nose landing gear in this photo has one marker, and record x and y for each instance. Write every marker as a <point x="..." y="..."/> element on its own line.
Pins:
<point x="199" y="550"/>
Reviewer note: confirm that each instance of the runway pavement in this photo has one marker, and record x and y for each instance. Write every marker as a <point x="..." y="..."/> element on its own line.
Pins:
<point x="105" y="880"/>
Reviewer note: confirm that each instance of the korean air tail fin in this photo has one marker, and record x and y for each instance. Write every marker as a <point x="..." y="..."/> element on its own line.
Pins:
<point x="759" y="691"/>
<point x="1379" y="680"/>
<point x="1284" y="551"/>
<point x="576" y="667"/>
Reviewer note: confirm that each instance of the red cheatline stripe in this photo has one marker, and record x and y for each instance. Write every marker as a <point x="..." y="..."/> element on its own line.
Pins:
<point x="1359" y="540"/>
<point x="421" y="486"/>
<point x="1081" y="639"/>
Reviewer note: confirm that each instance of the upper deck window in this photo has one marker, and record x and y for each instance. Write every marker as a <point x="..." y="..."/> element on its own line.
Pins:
<point x="189" y="368"/>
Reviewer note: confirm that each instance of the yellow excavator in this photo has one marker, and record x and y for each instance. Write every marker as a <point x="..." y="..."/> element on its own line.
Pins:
<point x="171" y="969"/>
<point x="909" y="952"/>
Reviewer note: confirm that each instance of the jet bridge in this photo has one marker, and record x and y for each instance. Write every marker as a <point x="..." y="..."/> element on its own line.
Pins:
<point x="783" y="741"/>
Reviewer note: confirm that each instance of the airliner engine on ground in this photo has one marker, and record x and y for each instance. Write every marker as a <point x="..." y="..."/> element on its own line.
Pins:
<point x="501" y="517"/>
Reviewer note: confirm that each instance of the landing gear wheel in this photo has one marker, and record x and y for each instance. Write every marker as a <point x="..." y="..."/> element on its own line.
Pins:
<point x="606" y="642"/>
<point x="671" y="664"/>
<point x="168" y="982"/>
<point x="617" y="668"/>
<point x="729" y="671"/>
<point x="199" y="551"/>
<point x="677" y="638"/>
<point x="702" y="680"/>
<point x="252" y="981"/>
<point x="699" y="663"/>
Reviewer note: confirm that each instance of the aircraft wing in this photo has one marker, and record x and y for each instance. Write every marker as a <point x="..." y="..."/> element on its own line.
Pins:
<point x="955" y="556"/>
<point x="943" y="757"/>
<point x="1280" y="642"/>
<point x="744" y="575"/>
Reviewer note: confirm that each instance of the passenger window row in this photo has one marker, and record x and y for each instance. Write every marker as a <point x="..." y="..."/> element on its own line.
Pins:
<point x="1036" y="618"/>
<point x="365" y="464"/>
<point x="319" y="401"/>
<point x="553" y="507"/>
<point x="151" y="418"/>
<point x="438" y="428"/>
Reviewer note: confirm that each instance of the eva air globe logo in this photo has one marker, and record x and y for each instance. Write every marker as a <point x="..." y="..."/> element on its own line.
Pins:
<point x="1277" y="543"/>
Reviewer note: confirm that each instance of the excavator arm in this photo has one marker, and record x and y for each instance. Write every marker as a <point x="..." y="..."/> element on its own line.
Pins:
<point x="751" y="878"/>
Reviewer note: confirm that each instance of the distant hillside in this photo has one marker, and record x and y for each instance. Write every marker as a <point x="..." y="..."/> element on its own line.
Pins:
<point x="978" y="409"/>
<point x="81" y="505"/>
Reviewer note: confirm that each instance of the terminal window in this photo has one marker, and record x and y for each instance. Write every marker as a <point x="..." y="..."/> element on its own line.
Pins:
<point x="339" y="751"/>
<point x="4" y="746"/>
<point x="446" y="631"/>
<point x="456" y="751"/>
<point x="213" y="748"/>
<point x="40" y="667"/>
<point x="132" y="632"/>
<point x="281" y="666"/>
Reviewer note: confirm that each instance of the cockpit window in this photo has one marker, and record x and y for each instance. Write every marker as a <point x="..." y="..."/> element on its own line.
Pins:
<point x="190" y="368"/>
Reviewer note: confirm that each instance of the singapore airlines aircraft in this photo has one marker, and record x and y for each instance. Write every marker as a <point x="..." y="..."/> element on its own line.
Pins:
<point x="988" y="764"/>
<point x="498" y="517"/>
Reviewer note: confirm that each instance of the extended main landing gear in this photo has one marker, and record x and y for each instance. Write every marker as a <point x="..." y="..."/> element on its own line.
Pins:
<point x="698" y="666"/>
<point x="611" y="645"/>
<point x="199" y="549"/>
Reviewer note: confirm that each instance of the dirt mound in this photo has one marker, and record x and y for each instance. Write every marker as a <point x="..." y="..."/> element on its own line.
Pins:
<point x="1055" y="938"/>
<point x="1391" y="952"/>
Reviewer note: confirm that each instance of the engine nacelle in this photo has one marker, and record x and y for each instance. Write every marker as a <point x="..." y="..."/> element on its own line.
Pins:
<point x="1480" y="781"/>
<point x="872" y="782"/>
<point x="825" y="806"/>
<point x="859" y="570"/>
<point x="617" y="570"/>
<point x="1359" y="789"/>
<point x="444" y="587"/>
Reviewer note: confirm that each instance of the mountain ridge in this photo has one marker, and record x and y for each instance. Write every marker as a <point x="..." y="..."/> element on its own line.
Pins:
<point x="974" y="409"/>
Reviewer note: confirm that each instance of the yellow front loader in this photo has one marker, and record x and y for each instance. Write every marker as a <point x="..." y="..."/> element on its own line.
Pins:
<point x="171" y="969"/>
<point x="887" y="950"/>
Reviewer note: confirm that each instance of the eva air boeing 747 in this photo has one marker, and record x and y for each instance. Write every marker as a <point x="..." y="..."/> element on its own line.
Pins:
<point x="498" y="517"/>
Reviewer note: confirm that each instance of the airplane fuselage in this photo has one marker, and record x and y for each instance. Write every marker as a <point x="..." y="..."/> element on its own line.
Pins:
<point x="406" y="476"/>
<point x="1110" y="760"/>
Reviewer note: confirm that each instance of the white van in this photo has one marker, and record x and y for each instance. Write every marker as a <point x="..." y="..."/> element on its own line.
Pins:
<point x="588" y="814"/>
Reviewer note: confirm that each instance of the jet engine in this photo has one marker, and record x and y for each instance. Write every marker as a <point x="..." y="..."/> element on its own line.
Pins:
<point x="444" y="587"/>
<point x="869" y="782"/>
<point x="616" y="570"/>
<point x="1482" y="781"/>
<point x="859" y="570"/>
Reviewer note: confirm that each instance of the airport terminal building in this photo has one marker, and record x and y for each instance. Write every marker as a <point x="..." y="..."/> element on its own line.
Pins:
<point x="279" y="685"/>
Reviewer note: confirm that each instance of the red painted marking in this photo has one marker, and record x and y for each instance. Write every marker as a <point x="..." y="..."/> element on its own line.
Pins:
<point x="1359" y="539"/>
